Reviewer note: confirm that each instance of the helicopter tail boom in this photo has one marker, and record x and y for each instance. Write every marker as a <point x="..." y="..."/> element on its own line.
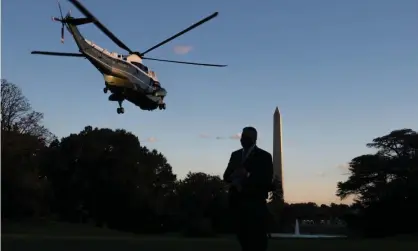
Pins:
<point x="73" y="21"/>
<point x="79" y="21"/>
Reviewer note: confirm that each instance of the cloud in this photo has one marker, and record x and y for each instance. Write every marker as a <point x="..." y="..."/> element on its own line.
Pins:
<point x="182" y="49"/>
<point x="151" y="139"/>
<point x="235" y="136"/>
<point x="207" y="136"/>
<point x="204" y="136"/>
<point x="321" y="174"/>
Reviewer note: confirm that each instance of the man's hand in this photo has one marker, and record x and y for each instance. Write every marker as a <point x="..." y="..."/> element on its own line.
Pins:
<point x="238" y="176"/>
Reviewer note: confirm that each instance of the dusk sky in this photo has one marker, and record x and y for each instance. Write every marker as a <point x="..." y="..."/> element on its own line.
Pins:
<point x="341" y="73"/>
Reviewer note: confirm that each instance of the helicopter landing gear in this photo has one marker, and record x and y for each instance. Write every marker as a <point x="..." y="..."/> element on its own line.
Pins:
<point x="106" y="88"/>
<point x="161" y="106"/>
<point x="120" y="109"/>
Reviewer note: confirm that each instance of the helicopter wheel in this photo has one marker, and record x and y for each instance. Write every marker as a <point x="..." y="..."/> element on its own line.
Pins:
<point x="105" y="90"/>
<point x="161" y="106"/>
<point x="120" y="110"/>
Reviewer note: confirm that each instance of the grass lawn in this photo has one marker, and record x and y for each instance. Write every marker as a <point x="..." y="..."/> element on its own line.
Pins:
<point x="69" y="237"/>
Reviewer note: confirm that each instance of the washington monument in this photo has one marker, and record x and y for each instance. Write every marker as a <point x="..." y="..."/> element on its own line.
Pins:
<point x="277" y="147"/>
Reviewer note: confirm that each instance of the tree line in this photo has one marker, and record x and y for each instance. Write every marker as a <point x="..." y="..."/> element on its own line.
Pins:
<point x="107" y="178"/>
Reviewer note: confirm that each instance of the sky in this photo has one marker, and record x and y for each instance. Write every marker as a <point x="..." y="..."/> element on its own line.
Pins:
<point x="341" y="73"/>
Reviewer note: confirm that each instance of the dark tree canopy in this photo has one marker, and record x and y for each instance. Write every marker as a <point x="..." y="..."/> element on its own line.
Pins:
<point x="386" y="183"/>
<point x="23" y="191"/>
<point x="395" y="163"/>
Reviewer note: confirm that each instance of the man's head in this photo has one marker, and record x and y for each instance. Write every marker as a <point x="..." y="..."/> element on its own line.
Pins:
<point x="248" y="137"/>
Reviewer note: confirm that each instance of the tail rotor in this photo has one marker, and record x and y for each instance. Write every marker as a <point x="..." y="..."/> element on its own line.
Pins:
<point x="62" y="20"/>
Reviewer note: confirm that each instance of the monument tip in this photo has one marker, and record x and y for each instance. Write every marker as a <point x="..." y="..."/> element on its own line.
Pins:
<point x="277" y="110"/>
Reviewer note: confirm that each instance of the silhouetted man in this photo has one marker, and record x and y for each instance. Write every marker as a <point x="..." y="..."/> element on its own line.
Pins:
<point x="250" y="174"/>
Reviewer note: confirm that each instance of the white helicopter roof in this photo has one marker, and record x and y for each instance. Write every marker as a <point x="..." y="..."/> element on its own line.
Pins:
<point x="134" y="58"/>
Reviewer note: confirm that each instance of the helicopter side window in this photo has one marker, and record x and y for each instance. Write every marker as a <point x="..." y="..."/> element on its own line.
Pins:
<point x="141" y="66"/>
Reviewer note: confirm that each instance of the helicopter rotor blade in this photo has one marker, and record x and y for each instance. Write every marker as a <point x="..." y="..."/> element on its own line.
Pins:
<point x="60" y="20"/>
<point x="183" y="62"/>
<point x="59" y="7"/>
<point x="204" y="20"/>
<point x="62" y="54"/>
<point x="62" y="33"/>
<point x="99" y="25"/>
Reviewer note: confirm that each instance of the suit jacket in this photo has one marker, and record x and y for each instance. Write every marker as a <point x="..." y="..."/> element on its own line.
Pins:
<point x="259" y="164"/>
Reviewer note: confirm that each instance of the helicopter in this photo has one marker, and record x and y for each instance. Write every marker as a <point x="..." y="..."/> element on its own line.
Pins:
<point x="125" y="76"/>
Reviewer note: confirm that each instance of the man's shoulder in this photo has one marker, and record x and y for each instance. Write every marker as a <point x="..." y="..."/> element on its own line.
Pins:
<point x="263" y="152"/>
<point x="237" y="152"/>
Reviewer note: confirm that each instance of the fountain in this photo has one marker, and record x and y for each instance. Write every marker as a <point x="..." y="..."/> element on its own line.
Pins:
<point x="303" y="236"/>
<point x="297" y="227"/>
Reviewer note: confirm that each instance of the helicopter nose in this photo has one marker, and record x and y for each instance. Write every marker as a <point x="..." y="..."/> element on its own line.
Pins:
<point x="161" y="92"/>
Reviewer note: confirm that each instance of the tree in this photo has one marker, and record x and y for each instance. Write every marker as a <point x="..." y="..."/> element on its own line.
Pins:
<point x="23" y="140"/>
<point x="202" y="200"/>
<point x="385" y="184"/>
<point x="106" y="176"/>
<point x="24" y="190"/>
<point x="159" y="182"/>
<point x="276" y="205"/>
<point x="17" y="114"/>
